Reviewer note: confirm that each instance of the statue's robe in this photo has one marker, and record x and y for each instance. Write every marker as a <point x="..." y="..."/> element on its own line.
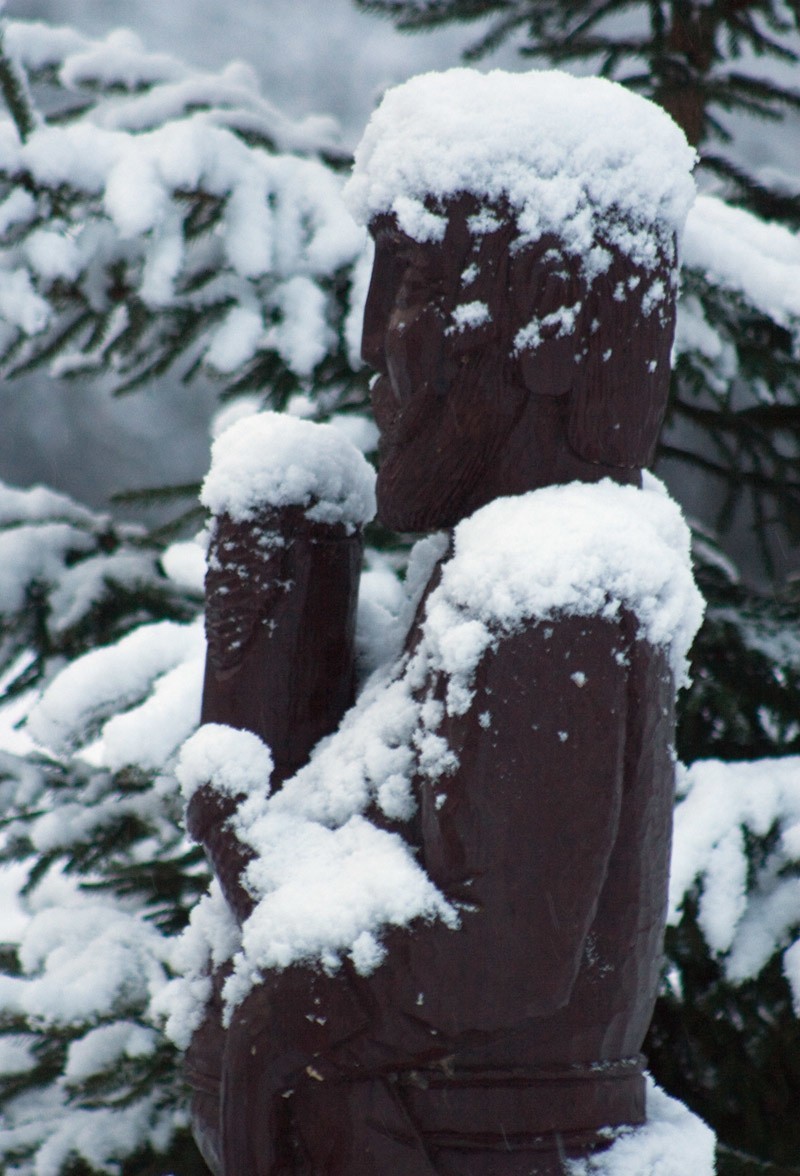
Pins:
<point x="519" y="1033"/>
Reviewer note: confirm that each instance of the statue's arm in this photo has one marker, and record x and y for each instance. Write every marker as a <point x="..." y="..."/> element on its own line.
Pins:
<point x="521" y="833"/>
<point x="281" y="595"/>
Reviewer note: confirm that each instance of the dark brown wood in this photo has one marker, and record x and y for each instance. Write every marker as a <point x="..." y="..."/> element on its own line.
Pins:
<point x="504" y="1047"/>
<point x="281" y="597"/>
<point x="531" y="1017"/>
<point x="464" y="417"/>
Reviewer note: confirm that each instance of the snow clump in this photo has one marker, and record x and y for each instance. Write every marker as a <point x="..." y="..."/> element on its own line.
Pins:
<point x="87" y="696"/>
<point x="237" y="761"/>
<point x="274" y="460"/>
<point x="581" y="158"/>
<point x="579" y="550"/>
<point x="747" y="913"/>
<point x="671" y="1142"/>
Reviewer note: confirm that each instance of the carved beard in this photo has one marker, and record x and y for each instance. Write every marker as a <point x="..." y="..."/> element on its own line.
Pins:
<point x="440" y="451"/>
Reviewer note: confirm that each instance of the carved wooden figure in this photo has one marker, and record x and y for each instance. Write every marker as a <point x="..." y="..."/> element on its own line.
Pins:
<point x="507" y="1039"/>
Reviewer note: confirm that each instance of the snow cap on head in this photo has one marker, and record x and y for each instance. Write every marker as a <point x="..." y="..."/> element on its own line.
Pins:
<point x="582" y="158"/>
<point x="273" y="460"/>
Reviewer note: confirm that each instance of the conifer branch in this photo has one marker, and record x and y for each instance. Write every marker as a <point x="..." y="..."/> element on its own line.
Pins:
<point x="759" y="40"/>
<point x="13" y="85"/>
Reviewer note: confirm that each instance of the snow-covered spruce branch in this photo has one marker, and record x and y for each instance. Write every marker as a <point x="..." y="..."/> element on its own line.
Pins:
<point x="85" y="1072"/>
<point x="159" y="216"/>
<point x="737" y="857"/>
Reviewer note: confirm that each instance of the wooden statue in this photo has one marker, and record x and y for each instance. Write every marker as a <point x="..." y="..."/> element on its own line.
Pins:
<point x="506" y="1041"/>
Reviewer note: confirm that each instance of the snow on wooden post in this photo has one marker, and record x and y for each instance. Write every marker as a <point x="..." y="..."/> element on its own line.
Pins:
<point x="455" y="907"/>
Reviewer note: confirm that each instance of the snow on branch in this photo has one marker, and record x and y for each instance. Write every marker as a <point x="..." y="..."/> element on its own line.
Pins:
<point x="161" y="213"/>
<point x="737" y="847"/>
<point x="738" y="251"/>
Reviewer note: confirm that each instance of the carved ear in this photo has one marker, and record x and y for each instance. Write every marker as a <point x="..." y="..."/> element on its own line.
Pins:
<point x="606" y="347"/>
<point x="620" y="392"/>
<point x="548" y="309"/>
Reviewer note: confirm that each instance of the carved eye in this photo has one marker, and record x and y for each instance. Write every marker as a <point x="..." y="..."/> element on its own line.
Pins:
<point x="411" y="272"/>
<point x="421" y="284"/>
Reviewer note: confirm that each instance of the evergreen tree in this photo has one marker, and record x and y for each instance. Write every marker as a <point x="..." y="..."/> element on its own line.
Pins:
<point x="725" y="1036"/>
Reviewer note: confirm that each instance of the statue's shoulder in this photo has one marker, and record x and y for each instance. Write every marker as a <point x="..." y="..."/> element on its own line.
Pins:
<point x="577" y="550"/>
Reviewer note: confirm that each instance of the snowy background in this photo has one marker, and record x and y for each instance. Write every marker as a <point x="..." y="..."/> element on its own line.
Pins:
<point x="311" y="56"/>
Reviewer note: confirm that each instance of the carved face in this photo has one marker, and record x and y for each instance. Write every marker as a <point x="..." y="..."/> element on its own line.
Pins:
<point x="434" y="329"/>
<point x="501" y="369"/>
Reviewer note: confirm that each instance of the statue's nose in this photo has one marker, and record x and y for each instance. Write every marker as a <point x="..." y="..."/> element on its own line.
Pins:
<point x="372" y="338"/>
<point x="383" y="286"/>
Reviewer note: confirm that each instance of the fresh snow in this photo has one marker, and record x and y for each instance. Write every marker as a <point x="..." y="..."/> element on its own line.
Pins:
<point x="274" y="460"/>
<point x="745" y="919"/>
<point x="581" y="158"/>
<point x="82" y="957"/>
<point x="284" y="231"/>
<point x="753" y="260"/>
<point x="148" y="735"/>
<point x="62" y="982"/>
<point x="171" y="87"/>
<point x="746" y="255"/>
<point x="577" y="549"/>
<point x="236" y="761"/>
<point x="47" y="1120"/>
<point x="673" y="1142"/>
<point x="162" y="134"/>
<point x="212" y="937"/>
<point x="38" y="504"/>
<point x="96" y="686"/>
<point x="324" y="892"/>
<point x="80" y="586"/>
<point x="35" y="552"/>
<point x="184" y="562"/>
<point x="107" y="1045"/>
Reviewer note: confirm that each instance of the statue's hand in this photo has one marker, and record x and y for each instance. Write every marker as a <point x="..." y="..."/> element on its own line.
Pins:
<point x="246" y="577"/>
<point x="289" y="498"/>
<point x="280" y="620"/>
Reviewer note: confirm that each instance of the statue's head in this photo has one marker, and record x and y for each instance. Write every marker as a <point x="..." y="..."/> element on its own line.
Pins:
<point x="521" y="310"/>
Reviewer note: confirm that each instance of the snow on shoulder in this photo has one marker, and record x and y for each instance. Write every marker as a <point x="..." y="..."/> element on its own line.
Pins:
<point x="582" y="158"/>
<point x="580" y="549"/>
<point x="275" y="460"/>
